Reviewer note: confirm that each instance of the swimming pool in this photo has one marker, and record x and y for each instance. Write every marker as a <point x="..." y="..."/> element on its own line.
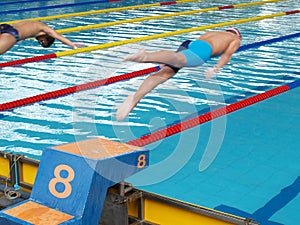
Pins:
<point x="248" y="158"/>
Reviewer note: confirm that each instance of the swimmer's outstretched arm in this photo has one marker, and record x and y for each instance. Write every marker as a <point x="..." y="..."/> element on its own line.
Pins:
<point x="224" y="59"/>
<point x="48" y="30"/>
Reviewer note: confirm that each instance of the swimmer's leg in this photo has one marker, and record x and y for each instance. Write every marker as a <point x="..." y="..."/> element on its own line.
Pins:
<point x="163" y="56"/>
<point x="148" y="85"/>
<point x="126" y="107"/>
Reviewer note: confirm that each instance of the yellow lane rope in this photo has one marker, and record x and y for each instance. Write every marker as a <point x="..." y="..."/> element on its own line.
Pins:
<point x="95" y="26"/>
<point x="166" y="34"/>
<point x="98" y="11"/>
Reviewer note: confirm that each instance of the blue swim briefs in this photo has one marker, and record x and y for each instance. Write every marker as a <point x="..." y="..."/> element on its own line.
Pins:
<point x="198" y="52"/>
<point x="8" y="29"/>
<point x="184" y="45"/>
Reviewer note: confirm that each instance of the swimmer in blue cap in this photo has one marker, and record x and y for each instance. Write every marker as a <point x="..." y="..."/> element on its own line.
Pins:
<point x="189" y="54"/>
<point x="45" y="35"/>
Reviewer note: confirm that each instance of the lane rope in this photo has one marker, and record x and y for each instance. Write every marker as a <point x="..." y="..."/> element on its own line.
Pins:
<point x="74" y="89"/>
<point x="139" y="39"/>
<point x="163" y="16"/>
<point x="21" y="2"/>
<point x="100" y="11"/>
<point x="196" y="121"/>
<point x="95" y="84"/>
<point x="54" y="6"/>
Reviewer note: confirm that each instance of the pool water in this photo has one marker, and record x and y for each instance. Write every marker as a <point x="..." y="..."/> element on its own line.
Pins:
<point x="243" y="163"/>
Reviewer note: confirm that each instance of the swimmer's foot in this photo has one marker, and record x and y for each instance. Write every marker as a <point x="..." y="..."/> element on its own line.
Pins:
<point x="125" y="108"/>
<point x="137" y="57"/>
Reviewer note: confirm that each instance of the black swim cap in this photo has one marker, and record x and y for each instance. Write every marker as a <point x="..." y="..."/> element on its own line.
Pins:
<point x="45" y="40"/>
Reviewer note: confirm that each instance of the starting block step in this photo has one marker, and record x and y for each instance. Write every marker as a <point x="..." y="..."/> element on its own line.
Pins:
<point x="72" y="182"/>
<point x="33" y="213"/>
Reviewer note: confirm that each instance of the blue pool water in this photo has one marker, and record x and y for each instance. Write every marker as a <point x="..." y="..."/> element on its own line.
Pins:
<point x="245" y="163"/>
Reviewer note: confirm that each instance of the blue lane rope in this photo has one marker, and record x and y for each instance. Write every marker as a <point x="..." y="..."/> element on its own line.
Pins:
<point x="21" y="2"/>
<point x="261" y="43"/>
<point x="52" y="7"/>
<point x="294" y="84"/>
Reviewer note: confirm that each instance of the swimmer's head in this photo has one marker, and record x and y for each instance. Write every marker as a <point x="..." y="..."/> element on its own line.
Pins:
<point x="45" y="40"/>
<point x="235" y="31"/>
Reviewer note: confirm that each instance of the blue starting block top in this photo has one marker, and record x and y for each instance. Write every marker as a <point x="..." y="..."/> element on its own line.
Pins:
<point x="73" y="179"/>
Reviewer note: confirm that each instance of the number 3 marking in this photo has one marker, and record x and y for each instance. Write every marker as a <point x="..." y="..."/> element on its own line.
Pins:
<point x="65" y="181"/>
<point x="141" y="161"/>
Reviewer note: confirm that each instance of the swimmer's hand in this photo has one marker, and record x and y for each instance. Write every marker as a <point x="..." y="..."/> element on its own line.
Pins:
<point x="210" y="73"/>
<point x="79" y="45"/>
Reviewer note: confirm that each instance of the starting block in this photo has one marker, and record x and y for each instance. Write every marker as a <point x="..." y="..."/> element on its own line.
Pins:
<point x="72" y="182"/>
